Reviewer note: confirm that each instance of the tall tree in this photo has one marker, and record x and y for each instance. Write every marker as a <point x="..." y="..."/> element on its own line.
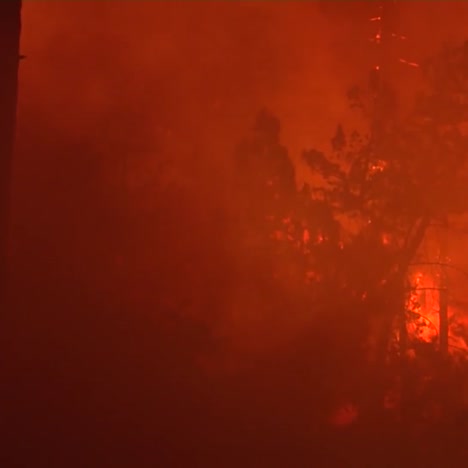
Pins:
<point x="265" y="183"/>
<point x="10" y="31"/>
<point x="414" y="174"/>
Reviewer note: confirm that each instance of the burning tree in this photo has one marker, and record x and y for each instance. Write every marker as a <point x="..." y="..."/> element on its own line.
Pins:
<point x="280" y="225"/>
<point x="354" y="238"/>
<point x="393" y="188"/>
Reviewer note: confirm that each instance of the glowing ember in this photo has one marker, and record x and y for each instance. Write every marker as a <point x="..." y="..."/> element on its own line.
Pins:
<point x="385" y="239"/>
<point x="378" y="166"/>
<point x="344" y="415"/>
<point x="411" y="64"/>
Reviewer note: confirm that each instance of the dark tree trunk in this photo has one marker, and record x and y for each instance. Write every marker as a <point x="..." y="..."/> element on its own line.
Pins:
<point x="393" y="306"/>
<point x="10" y="30"/>
<point x="443" y="294"/>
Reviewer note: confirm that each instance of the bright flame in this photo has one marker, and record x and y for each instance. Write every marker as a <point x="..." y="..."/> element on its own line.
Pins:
<point x="378" y="166"/>
<point x="424" y="306"/>
<point x="385" y="239"/>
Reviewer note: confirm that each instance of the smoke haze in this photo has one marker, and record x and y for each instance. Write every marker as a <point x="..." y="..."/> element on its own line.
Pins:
<point x="122" y="100"/>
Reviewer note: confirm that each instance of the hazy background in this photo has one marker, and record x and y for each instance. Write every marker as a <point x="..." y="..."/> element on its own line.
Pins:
<point x="116" y="95"/>
<point x="195" y="73"/>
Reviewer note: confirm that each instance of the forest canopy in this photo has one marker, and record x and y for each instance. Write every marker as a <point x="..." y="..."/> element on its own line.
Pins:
<point x="351" y="238"/>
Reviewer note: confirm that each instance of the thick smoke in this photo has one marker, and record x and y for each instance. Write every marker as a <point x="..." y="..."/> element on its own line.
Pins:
<point x="119" y="98"/>
<point x="129" y="115"/>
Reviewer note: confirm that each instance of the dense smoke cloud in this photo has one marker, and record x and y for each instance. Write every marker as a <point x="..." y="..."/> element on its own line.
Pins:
<point x="112" y="94"/>
<point x="200" y="71"/>
<point x="119" y="103"/>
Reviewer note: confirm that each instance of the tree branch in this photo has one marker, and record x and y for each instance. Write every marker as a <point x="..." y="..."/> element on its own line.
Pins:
<point x="441" y="264"/>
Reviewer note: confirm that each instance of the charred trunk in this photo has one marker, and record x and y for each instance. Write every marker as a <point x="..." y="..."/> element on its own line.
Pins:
<point x="10" y="30"/>
<point x="393" y="309"/>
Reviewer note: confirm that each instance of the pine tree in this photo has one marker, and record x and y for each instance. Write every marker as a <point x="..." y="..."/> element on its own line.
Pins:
<point x="265" y="189"/>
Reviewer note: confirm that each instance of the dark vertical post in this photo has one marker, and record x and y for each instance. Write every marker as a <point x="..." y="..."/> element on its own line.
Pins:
<point x="10" y="31"/>
<point x="443" y="293"/>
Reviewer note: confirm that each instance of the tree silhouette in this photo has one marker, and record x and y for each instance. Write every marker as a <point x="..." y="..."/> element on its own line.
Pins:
<point x="395" y="186"/>
<point x="354" y="236"/>
<point x="10" y="30"/>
